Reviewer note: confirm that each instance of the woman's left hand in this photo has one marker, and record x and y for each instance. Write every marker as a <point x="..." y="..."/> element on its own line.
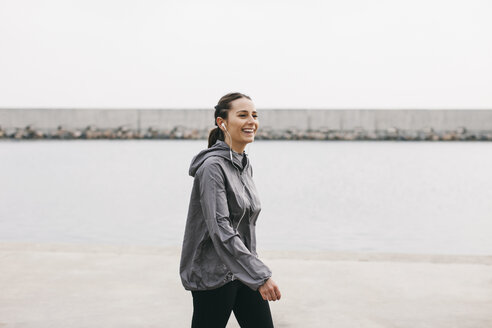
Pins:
<point x="270" y="291"/>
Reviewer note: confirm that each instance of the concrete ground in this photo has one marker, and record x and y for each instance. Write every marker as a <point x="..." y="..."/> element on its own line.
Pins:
<point x="45" y="285"/>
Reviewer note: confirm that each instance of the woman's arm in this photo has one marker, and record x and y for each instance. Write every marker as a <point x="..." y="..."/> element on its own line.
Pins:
<point x="245" y="266"/>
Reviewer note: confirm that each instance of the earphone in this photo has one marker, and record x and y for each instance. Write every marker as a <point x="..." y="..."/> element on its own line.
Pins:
<point x="244" y="185"/>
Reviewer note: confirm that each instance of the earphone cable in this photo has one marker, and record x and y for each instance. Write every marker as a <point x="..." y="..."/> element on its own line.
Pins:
<point x="240" y="178"/>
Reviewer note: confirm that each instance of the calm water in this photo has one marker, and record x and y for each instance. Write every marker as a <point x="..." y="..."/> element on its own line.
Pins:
<point x="420" y="197"/>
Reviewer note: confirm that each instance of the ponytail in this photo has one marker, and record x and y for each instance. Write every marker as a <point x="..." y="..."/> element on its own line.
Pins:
<point x="215" y="134"/>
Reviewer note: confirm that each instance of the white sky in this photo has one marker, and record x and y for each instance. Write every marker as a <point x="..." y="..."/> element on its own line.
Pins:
<point x="284" y="54"/>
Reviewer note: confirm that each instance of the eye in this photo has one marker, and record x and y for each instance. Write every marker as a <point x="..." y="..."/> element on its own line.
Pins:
<point x="244" y="115"/>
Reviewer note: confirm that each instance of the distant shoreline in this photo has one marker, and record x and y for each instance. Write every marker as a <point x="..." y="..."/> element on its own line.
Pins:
<point x="180" y="133"/>
<point x="356" y="124"/>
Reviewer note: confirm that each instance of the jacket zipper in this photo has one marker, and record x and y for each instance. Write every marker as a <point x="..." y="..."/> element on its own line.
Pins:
<point x="244" y="202"/>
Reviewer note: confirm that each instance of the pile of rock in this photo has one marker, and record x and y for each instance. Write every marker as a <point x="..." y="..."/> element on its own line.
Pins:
<point x="181" y="132"/>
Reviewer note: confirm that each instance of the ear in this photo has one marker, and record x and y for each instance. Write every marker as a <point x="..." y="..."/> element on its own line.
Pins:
<point x="219" y="123"/>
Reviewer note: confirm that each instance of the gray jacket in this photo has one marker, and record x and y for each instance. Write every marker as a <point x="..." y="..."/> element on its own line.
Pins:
<point x="218" y="245"/>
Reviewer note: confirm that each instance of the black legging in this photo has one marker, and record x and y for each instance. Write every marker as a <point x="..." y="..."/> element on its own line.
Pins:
<point x="212" y="308"/>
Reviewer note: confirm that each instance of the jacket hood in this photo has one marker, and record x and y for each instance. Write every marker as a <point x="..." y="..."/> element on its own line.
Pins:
<point x="221" y="149"/>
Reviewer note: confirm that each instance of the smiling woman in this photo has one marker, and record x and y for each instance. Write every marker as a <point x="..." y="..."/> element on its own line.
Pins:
<point x="235" y="115"/>
<point x="219" y="263"/>
<point x="240" y="123"/>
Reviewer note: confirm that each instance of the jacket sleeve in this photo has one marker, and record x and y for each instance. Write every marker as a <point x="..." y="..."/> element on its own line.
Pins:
<point x="230" y="248"/>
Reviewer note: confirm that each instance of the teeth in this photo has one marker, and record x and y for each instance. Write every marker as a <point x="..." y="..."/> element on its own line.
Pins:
<point x="248" y="130"/>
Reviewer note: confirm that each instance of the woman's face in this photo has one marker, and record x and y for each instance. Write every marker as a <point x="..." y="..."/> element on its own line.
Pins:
<point x="242" y="123"/>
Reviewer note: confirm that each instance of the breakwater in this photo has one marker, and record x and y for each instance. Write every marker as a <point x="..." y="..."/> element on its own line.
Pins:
<point x="275" y="124"/>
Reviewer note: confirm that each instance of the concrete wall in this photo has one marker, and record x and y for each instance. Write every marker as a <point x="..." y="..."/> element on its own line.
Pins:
<point x="369" y="120"/>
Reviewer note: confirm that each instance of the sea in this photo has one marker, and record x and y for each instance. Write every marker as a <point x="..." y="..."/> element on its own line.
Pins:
<point x="362" y="196"/>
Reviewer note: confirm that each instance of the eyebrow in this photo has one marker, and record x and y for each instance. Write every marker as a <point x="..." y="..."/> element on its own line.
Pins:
<point x="242" y="111"/>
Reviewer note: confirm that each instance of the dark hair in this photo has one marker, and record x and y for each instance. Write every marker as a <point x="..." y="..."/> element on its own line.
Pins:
<point x="221" y="110"/>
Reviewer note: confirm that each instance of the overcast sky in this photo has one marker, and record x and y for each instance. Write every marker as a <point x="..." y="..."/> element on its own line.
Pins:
<point x="284" y="54"/>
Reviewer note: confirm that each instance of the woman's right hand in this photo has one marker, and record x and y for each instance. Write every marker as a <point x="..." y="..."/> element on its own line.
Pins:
<point x="269" y="291"/>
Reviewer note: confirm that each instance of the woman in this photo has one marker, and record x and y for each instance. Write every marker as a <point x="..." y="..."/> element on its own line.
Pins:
<point x="219" y="263"/>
